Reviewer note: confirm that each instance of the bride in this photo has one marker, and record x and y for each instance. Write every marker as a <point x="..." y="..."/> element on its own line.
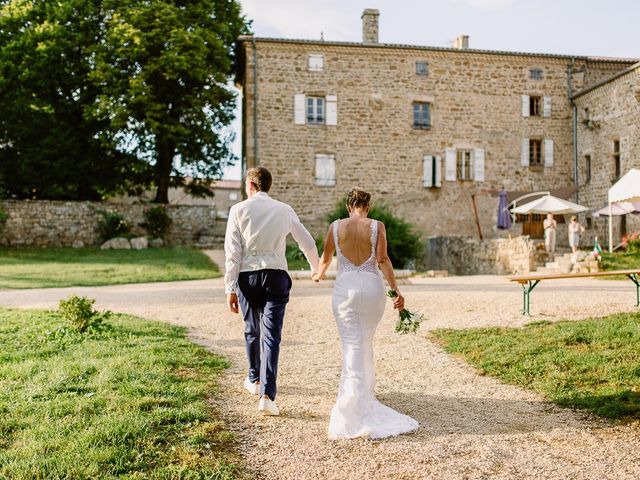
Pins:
<point x="358" y="305"/>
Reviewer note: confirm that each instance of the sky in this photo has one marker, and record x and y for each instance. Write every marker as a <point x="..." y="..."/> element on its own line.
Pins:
<point x="572" y="27"/>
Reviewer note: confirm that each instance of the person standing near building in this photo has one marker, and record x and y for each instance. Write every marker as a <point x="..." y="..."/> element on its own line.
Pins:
<point x="575" y="229"/>
<point x="550" y="228"/>
<point x="256" y="278"/>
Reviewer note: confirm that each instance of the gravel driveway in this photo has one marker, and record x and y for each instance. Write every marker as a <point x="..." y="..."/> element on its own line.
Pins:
<point x="472" y="427"/>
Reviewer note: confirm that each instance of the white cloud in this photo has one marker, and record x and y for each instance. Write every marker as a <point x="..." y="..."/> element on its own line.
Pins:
<point x="297" y="19"/>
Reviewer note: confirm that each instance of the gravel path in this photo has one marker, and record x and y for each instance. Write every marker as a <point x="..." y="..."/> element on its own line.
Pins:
<point x="472" y="427"/>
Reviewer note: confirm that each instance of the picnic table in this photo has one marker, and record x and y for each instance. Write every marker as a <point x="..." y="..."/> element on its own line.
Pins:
<point x="529" y="282"/>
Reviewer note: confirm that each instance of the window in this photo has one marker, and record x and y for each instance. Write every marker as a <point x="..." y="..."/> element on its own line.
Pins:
<point x="315" y="110"/>
<point x="325" y="170"/>
<point x="316" y="63"/>
<point x="421" y="115"/>
<point x="587" y="168"/>
<point x="535" y="152"/>
<point x="422" y="68"/>
<point x="463" y="165"/>
<point x="536" y="74"/>
<point x="431" y="171"/>
<point x="616" y="158"/>
<point x="535" y="106"/>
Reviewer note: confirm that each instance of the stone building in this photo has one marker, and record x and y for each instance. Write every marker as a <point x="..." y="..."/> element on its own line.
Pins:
<point x="608" y="143"/>
<point x="423" y="128"/>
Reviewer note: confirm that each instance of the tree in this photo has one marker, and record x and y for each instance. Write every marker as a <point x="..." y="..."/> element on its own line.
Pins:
<point x="49" y="139"/>
<point x="104" y="96"/>
<point x="165" y="67"/>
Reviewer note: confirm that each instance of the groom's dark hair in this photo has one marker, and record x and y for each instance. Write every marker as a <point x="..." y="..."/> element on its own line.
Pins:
<point x="260" y="177"/>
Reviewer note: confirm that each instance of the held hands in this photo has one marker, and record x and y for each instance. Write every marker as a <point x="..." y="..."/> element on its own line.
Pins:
<point x="316" y="277"/>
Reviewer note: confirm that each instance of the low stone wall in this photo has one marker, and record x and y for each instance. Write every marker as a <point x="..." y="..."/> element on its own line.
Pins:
<point x="469" y="256"/>
<point x="44" y="223"/>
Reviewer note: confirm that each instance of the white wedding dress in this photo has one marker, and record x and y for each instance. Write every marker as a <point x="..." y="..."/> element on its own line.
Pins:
<point x="358" y="305"/>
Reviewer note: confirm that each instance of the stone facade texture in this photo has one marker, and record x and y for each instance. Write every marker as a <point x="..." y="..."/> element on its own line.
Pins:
<point x="607" y="113"/>
<point x="461" y="255"/>
<point x="42" y="223"/>
<point x="476" y="103"/>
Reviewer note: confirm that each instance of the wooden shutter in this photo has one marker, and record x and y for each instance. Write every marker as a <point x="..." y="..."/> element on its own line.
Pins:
<point x="524" y="152"/>
<point x="325" y="170"/>
<point x="548" y="152"/>
<point x="316" y="63"/>
<point x="299" y="109"/>
<point x="450" y="164"/>
<point x="546" y="107"/>
<point x="331" y="105"/>
<point x="437" y="165"/>
<point x="525" y="105"/>
<point x="427" y="171"/>
<point x="478" y="165"/>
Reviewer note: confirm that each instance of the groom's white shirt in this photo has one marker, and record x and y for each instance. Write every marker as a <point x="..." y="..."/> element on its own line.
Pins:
<point x="256" y="236"/>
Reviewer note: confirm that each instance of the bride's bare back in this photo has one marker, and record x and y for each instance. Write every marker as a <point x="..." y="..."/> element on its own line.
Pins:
<point x="354" y="238"/>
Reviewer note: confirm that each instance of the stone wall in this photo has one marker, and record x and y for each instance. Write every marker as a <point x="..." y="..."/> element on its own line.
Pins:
<point x="469" y="256"/>
<point x="57" y="223"/>
<point x="476" y="103"/>
<point x="607" y="113"/>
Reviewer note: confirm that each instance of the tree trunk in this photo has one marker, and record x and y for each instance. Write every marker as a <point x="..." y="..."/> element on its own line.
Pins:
<point x="164" y="167"/>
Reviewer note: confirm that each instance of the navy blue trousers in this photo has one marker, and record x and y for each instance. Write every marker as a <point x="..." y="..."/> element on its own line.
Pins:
<point x="263" y="296"/>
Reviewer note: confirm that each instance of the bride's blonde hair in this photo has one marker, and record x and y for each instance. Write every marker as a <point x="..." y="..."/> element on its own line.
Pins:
<point x="357" y="198"/>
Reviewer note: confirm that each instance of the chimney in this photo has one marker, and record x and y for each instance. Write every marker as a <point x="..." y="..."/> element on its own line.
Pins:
<point x="370" y="25"/>
<point x="461" y="42"/>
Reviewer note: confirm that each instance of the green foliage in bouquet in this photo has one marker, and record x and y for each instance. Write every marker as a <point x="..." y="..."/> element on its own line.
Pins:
<point x="408" y="322"/>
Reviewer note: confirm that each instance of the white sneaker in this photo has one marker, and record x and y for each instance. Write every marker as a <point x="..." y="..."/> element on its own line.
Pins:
<point x="252" y="388"/>
<point x="268" y="406"/>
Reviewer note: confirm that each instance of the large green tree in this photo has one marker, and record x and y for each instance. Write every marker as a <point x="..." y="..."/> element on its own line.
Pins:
<point x="165" y="70"/>
<point x="102" y="96"/>
<point x="49" y="144"/>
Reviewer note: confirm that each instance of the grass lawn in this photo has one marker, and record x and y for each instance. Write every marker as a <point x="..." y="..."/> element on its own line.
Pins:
<point x="126" y="401"/>
<point x="65" y="267"/>
<point x="592" y="364"/>
<point x="620" y="261"/>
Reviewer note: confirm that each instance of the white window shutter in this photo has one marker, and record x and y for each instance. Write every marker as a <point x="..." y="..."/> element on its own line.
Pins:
<point x="450" y="164"/>
<point x="316" y="63"/>
<point x="524" y="152"/>
<point x="331" y="102"/>
<point x="299" y="109"/>
<point x="525" y="105"/>
<point x="325" y="170"/>
<point x="546" y="107"/>
<point x="437" y="164"/>
<point x="427" y="171"/>
<point x="478" y="165"/>
<point x="548" y="152"/>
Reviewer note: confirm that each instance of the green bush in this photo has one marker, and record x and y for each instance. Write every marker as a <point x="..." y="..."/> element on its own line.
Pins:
<point x="112" y="225"/>
<point x="3" y="217"/>
<point x="633" y="243"/>
<point x="157" y="221"/>
<point x="403" y="243"/>
<point x="79" y="312"/>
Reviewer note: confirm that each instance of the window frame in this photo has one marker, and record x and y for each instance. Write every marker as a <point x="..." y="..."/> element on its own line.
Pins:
<point x="422" y="68"/>
<point x="535" y="105"/>
<point x="464" y="166"/>
<point x="418" y="123"/>
<point x="587" y="168"/>
<point x="536" y="74"/>
<point x="533" y="161"/>
<point x="617" y="164"/>
<point x="311" y="106"/>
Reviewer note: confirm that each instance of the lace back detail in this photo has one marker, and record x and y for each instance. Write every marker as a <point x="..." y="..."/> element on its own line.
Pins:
<point x="369" y="265"/>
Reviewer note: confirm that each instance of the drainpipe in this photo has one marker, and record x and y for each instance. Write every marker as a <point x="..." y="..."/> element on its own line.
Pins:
<point x="574" y="126"/>
<point x="255" y="102"/>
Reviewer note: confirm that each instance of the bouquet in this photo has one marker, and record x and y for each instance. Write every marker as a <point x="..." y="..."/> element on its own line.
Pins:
<point x="408" y="322"/>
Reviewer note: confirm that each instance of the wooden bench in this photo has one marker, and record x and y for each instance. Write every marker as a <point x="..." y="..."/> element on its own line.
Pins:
<point x="529" y="282"/>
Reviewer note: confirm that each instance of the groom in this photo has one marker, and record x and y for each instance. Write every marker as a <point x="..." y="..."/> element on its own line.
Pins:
<point x="256" y="277"/>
